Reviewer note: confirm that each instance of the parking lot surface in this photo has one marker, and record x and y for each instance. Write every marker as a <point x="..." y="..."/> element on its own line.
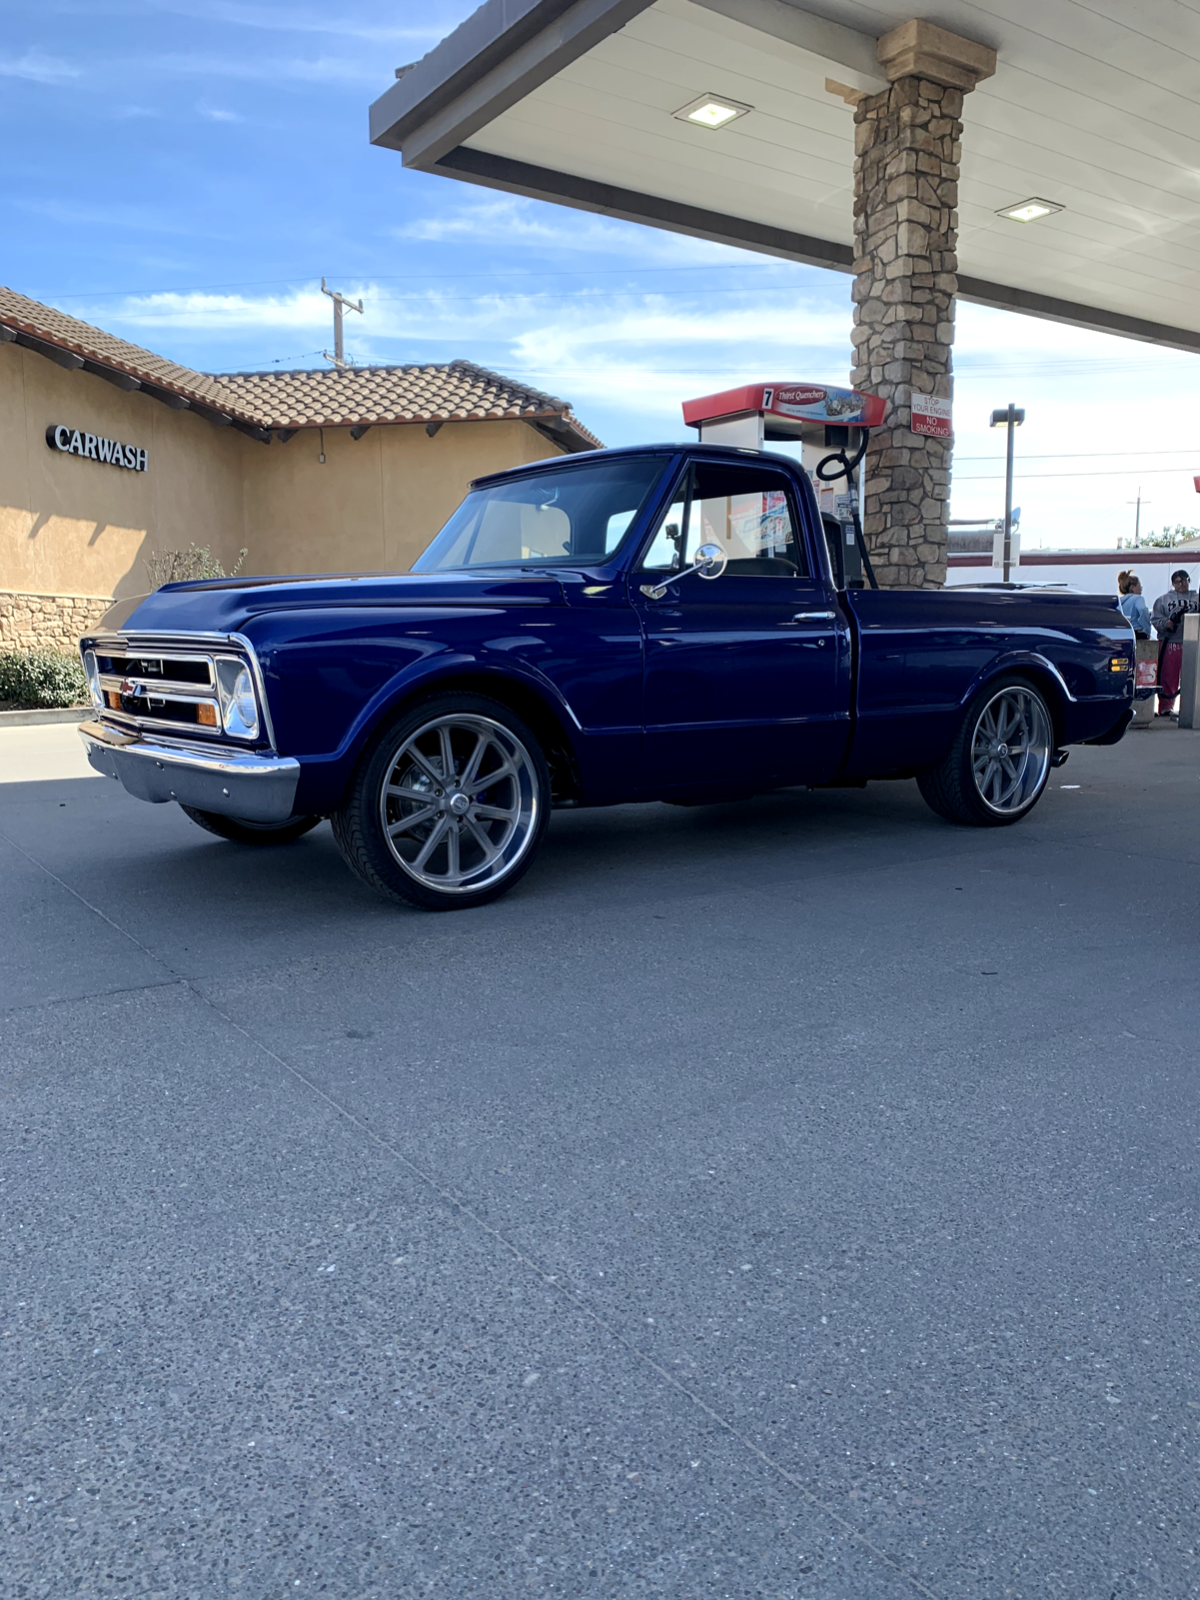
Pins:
<point x="789" y="1199"/>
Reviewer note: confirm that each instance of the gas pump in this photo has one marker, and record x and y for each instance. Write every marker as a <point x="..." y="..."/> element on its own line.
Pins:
<point x="833" y="426"/>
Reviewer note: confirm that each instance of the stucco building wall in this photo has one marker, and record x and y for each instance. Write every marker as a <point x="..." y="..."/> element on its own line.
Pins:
<point x="377" y="501"/>
<point x="71" y="526"/>
<point x="78" y="531"/>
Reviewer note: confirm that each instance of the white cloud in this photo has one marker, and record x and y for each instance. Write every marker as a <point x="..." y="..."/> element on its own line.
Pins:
<point x="634" y="353"/>
<point x="256" y="69"/>
<point x="625" y="359"/>
<point x="37" y="67"/>
<point x="218" y="113"/>
<point x="335" y="69"/>
<point x="215" y="314"/>
<point x="146" y="218"/>
<point x="230" y="13"/>
<point x="509" y="218"/>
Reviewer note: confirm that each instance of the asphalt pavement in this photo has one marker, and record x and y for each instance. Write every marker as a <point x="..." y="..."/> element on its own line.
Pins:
<point x="794" y="1199"/>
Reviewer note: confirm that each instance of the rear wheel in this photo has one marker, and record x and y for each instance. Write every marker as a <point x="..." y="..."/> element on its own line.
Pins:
<point x="448" y="805"/>
<point x="996" y="769"/>
<point x="243" y="831"/>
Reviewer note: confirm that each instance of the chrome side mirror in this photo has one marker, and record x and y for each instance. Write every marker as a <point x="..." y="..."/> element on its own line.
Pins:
<point x="710" y="562"/>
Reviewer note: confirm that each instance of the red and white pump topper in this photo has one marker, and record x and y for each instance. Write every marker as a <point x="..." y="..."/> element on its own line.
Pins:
<point x="760" y="412"/>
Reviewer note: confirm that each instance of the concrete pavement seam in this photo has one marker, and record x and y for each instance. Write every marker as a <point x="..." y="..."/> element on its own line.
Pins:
<point x="514" y="1251"/>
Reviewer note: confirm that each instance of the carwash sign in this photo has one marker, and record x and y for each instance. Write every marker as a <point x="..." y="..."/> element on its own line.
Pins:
<point x="73" y="442"/>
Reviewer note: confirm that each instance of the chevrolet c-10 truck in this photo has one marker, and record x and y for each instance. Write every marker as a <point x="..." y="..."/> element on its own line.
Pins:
<point x="650" y="624"/>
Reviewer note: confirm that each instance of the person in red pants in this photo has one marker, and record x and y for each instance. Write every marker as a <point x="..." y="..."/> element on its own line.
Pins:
<point x="1167" y="617"/>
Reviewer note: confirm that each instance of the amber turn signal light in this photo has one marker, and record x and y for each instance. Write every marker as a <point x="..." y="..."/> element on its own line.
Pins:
<point x="1118" y="664"/>
<point x="206" y="715"/>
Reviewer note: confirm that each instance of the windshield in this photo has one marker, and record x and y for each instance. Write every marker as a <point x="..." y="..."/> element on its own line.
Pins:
<point x="578" y="514"/>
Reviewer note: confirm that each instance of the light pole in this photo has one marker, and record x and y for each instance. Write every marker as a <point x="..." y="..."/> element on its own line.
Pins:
<point x="1011" y="418"/>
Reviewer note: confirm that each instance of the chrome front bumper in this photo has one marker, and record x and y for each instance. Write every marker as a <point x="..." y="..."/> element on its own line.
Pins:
<point x="235" y="783"/>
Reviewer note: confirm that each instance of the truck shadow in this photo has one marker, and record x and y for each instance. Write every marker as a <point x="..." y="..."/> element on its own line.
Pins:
<point x="712" y="846"/>
<point x="159" y="876"/>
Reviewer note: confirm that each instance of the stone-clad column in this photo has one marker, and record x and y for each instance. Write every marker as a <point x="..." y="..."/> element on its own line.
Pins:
<point x="907" y="145"/>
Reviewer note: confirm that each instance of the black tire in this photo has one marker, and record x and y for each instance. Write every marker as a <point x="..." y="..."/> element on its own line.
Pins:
<point x="242" y="831"/>
<point x="978" y="783"/>
<point x="398" y="801"/>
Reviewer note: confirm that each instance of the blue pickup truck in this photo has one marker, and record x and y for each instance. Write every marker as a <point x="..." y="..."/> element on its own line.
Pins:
<point x="659" y="623"/>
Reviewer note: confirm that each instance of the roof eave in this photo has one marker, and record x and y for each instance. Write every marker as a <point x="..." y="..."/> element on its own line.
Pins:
<point x="75" y="358"/>
<point x="564" y="431"/>
<point x="498" y="55"/>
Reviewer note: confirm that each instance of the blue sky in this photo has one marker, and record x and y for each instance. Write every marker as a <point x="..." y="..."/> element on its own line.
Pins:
<point x="183" y="172"/>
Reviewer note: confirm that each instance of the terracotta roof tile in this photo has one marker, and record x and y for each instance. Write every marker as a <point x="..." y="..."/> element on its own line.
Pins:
<point x="457" y="391"/>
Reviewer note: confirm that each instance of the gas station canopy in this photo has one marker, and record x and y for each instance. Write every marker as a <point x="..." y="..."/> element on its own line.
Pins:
<point x="1091" y="109"/>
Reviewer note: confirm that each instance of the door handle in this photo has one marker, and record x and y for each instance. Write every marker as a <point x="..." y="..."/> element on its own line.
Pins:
<point x="814" y="616"/>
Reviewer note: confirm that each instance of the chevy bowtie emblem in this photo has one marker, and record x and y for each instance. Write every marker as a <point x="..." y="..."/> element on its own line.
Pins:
<point x="129" y="687"/>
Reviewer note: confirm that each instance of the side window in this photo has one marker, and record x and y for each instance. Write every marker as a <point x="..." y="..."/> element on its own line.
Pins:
<point x="748" y="511"/>
<point x="666" y="552"/>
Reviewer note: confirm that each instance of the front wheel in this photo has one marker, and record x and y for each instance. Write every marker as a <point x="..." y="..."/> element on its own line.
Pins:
<point x="448" y="804"/>
<point x="996" y="769"/>
<point x="243" y="831"/>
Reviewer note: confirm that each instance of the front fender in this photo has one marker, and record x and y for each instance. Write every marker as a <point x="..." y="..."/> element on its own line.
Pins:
<point x="480" y="666"/>
<point x="326" y="773"/>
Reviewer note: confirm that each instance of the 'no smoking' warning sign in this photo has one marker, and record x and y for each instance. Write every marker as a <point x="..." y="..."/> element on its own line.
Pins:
<point x="931" y="416"/>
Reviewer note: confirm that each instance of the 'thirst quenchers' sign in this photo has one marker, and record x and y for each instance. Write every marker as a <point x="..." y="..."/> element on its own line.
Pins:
<point x="74" y="442"/>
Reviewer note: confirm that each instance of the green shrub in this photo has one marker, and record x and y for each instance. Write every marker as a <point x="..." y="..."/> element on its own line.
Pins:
<point x="37" y="678"/>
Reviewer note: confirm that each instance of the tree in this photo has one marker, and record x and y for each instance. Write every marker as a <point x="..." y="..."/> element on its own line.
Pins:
<point x="1170" y="537"/>
<point x="186" y="566"/>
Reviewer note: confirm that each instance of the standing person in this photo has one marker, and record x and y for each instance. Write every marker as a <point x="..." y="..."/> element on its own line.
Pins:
<point x="1129" y="587"/>
<point x="1167" y="617"/>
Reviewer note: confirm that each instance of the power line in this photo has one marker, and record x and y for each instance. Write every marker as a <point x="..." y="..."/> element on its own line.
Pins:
<point x="433" y="277"/>
<point x="1041" y="477"/>
<point x="1089" y="455"/>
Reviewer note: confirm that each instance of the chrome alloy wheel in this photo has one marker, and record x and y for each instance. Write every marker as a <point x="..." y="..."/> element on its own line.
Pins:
<point x="1011" y="750"/>
<point x="459" y="806"/>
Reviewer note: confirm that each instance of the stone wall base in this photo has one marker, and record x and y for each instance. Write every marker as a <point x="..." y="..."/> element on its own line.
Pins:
<point x="47" y="621"/>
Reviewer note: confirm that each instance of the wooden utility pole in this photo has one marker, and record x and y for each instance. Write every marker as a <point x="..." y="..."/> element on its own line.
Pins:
<point x="340" y="303"/>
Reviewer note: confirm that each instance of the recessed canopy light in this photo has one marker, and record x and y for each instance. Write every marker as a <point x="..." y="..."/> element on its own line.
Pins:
<point x="712" y="111"/>
<point x="1029" y="210"/>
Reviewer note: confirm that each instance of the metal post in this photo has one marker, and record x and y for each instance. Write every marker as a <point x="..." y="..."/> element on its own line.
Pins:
<point x="1189" y="678"/>
<point x="1008" y="477"/>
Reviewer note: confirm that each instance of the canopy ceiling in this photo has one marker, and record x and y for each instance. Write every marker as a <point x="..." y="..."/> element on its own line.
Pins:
<point x="1094" y="107"/>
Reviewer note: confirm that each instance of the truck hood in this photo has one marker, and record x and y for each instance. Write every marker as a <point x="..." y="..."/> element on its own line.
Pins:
<point x="227" y="605"/>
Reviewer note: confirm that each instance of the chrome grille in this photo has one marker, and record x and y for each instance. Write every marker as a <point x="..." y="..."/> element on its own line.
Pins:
<point x="170" y="686"/>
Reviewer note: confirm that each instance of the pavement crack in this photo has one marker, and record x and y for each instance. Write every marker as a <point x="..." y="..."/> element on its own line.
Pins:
<point x="91" y="994"/>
